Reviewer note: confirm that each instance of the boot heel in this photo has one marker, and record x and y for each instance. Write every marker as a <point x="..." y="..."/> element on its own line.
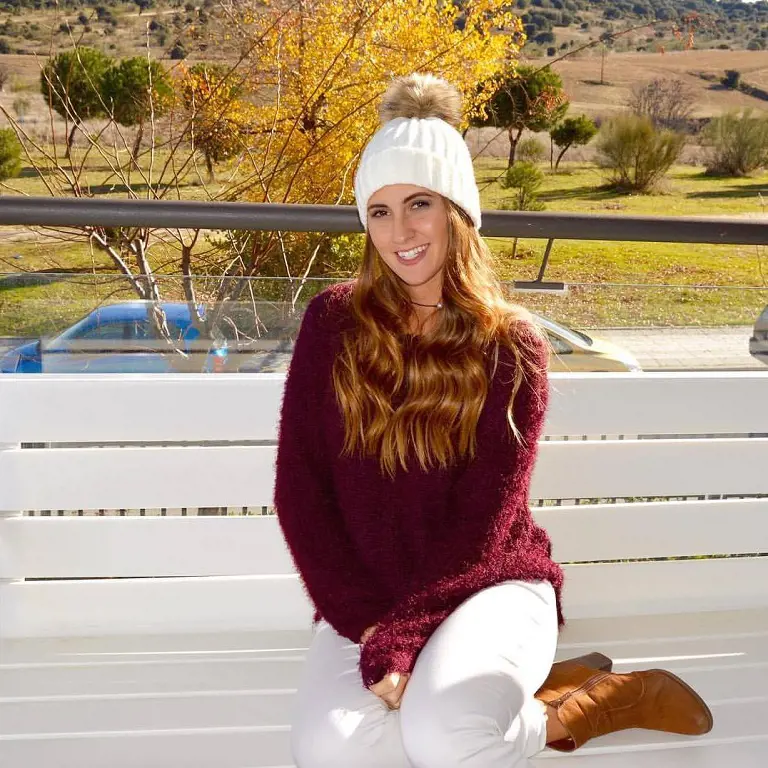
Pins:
<point x="592" y="660"/>
<point x="562" y="672"/>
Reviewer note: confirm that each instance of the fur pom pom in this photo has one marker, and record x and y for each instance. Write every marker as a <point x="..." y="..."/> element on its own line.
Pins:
<point x="421" y="96"/>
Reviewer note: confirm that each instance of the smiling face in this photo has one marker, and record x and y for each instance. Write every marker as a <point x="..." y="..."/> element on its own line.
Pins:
<point x="408" y="226"/>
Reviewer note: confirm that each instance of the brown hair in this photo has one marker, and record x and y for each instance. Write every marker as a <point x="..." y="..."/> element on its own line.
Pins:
<point x="447" y="380"/>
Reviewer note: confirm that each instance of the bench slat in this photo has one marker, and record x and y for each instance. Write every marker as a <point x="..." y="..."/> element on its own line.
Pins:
<point x="138" y="407"/>
<point x="81" y="684"/>
<point x="132" y="606"/>
<point x="143" y="710"/>
<point x="666" y="403"/>
<point x="79" y="547"/>
<point x="739" y="726"/>
<point x="158" y="407"/>
<point x="711" y="661"/>
<point x="238" y="476"/>
<point x="628" y="468"/>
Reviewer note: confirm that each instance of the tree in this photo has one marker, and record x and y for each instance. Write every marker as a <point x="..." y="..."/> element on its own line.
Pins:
<point x="219" y="118"/>
<point x="668" y="102"/>
<point x="71" y="83"/>
<point x="572" y="132"/>
<point x="134" y="90"/>
<point x="178" y="52"/>
<point x="10" y="154"/>
<point x="732" y="79"/>
<point x="527" y="99"/>
<point x="637" y="154"/>
<point x="738" y="143"/>
<point x="525" y="179"/>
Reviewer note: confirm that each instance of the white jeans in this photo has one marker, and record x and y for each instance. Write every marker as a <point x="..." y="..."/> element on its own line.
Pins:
<point x="469" y="701"/>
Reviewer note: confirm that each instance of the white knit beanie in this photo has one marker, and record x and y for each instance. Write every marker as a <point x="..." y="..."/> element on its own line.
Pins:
<point x="418" y="144"/>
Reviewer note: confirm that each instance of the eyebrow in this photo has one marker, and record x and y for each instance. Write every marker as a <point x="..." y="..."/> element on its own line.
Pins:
<point x="405" y="200"/>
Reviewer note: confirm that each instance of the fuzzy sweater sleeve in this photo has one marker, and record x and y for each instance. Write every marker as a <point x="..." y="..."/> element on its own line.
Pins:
<point x="488" y="524"/>
<point x="342" y="590"/>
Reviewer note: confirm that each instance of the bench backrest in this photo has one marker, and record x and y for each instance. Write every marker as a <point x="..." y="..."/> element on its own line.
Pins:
<point x="635" y="448"/>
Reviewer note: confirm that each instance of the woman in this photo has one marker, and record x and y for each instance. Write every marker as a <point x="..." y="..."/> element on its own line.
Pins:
<point x="412" y="409"/>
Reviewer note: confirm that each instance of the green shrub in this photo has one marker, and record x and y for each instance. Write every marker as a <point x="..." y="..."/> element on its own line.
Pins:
<point x="10" y="154"/>
<point x="531" y="150"/>
<point x="737" y="143"/>
<point x="732" y="78"/>
<point x="525" y="179"/>
<point x="178" y="52"/>
<point x="636" y="154"/>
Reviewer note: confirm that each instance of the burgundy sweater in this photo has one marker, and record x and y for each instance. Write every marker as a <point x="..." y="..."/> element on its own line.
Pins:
<point x="402" y="553"/>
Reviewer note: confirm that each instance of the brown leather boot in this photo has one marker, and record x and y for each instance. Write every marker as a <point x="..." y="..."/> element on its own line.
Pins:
<point x="590" y="704"/>
<point x="561" y="671"/>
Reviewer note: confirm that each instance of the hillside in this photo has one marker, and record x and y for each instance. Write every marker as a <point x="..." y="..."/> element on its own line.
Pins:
<point x="126" y="27"/>
<point x="700" y="70"/>
<point x="562" y="25"/>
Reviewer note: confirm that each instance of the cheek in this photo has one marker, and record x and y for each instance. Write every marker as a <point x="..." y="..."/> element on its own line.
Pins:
<point x="377" y="238"/>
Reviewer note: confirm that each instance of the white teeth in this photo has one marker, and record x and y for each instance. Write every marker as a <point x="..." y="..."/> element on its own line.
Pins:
<point x="412" y="254"/>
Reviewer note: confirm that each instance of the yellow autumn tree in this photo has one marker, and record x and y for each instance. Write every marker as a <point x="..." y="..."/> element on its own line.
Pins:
<point x="316" y="71"/>
<point x="218" y="118"/>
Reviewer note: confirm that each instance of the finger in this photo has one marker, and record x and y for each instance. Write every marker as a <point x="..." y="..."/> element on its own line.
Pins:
<point x="387" y="685"/>
<point x="393" y="699"/>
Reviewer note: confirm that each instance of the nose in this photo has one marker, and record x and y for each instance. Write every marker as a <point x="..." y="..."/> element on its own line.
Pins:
<point x="402" y="231"/>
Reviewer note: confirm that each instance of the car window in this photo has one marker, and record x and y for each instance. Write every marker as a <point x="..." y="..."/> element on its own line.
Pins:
<point x="577" y="338"/>
<point x="136" y="329"/>
<point x="116" y="330"/>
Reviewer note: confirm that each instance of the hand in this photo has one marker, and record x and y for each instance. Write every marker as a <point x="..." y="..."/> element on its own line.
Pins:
<point x="391" y="689"/>
<point x="366" y="635"/>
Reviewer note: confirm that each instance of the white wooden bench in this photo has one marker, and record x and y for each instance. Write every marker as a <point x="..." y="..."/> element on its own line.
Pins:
<point x="177" y="641"/>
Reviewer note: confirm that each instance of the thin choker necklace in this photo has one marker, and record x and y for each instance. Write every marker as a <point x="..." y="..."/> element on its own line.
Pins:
<point x="439" y="304"/>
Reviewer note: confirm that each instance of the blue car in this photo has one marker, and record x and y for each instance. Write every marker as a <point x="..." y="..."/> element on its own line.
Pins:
<point x="119" y="338"/>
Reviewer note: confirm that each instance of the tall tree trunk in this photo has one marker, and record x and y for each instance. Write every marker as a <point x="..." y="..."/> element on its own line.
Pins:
<point x="560" y="156"/>
<point x="70" y="142"/>
<point x="137" y="145"/>
<point x="513" y="142"/>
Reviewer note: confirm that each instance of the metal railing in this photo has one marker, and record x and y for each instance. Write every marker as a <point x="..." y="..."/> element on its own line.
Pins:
<point x="340" y="219"/>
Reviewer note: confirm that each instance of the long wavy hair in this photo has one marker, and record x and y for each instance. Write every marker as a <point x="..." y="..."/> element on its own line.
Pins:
<point x="446" y="380"/>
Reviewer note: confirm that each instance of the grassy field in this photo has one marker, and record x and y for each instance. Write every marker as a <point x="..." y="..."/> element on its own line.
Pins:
<point x="741" y="272"/>
<point x="623" y="71"/>
<point x="602" y="275"/>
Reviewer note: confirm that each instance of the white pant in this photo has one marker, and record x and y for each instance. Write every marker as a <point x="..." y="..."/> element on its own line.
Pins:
<point x="469" y="701"/>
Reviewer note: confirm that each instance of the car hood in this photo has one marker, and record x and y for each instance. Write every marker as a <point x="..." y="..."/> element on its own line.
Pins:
<point x="608" y="349"/>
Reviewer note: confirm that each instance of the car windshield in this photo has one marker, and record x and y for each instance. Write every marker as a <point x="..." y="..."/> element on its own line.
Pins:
<point x="578" y="338"/>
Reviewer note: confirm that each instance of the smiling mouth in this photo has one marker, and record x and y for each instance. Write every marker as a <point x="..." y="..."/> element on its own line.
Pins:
<point x="413" y="253"/>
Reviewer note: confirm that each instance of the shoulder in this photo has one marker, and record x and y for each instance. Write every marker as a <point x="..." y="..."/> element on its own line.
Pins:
<point x="529" y="339"/>
<point x="328" y="311"/>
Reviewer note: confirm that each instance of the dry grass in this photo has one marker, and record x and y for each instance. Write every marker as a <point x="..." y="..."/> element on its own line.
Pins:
<point x="625" y="70"/>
